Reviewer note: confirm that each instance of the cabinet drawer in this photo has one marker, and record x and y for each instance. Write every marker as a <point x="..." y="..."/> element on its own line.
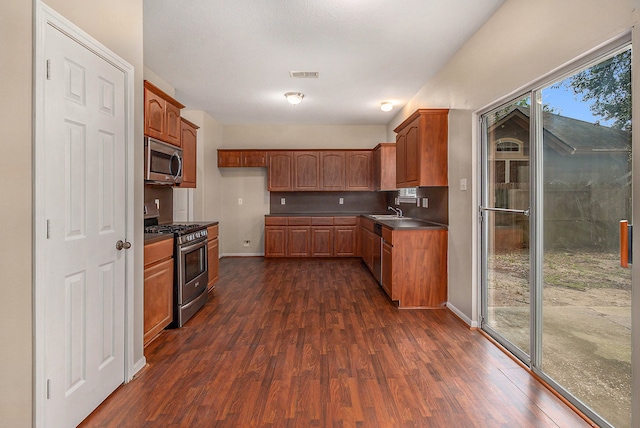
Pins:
<point x="299" y="221"/>
<point x="212" y="232"/>
<point x="157" y="251"/>
<point x="345" y="221"/>
<point x="275" y="221"/>
<point x="322" y="221"/>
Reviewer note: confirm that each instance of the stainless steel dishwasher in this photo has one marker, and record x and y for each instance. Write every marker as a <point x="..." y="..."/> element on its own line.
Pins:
<point x="377" y="252"/>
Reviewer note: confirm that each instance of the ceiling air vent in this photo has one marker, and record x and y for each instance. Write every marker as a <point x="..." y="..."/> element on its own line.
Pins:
<point x="304" y="74"/>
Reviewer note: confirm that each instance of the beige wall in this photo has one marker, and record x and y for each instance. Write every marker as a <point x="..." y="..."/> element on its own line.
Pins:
<point x="118" y="25"/>
<point x="16" y="351"/>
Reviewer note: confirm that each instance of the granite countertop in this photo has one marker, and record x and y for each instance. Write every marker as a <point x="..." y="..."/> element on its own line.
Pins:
<point x="328" y="214"/>
<point x="405" y="224"/>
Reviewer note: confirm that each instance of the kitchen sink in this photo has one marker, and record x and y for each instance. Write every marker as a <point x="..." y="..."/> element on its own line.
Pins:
<point x="388" y="217"/>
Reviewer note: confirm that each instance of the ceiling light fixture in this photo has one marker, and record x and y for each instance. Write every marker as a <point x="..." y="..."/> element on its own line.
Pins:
<point x="294" y="97"/>
<point x="386" y="106"/>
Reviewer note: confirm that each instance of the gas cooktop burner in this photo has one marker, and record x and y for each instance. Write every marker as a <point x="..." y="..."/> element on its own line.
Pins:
<point x="171" y="228"/>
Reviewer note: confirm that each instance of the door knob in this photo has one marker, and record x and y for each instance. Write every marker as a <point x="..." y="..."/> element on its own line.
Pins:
<point x="120" y="245"/>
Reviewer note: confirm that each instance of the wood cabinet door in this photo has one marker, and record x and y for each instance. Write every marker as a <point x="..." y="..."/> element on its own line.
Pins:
<point x="229" y="158"/>
<point x="189" y="140"/>
<point x="254" y="158"/>
<point x="359" y="170"/>
<point x="346" y="241"/>
<point x="173" y="125"/>
<point x="401" y="159"/>
<point x="154" y="116"/>
<point x="387" y="269"/>
<point x="213" y="262"/>
<point x="367" y="248"/>
<point x="306" y="171"/>
<point x="332" y="171"/>
<point x="280" y="171"/>
<point x="322" y="241"/>
<point x="412" y="156"/>
<point x="275" y="241"/>
<point x="158" y="298"/>
<point x="298" y="241"/>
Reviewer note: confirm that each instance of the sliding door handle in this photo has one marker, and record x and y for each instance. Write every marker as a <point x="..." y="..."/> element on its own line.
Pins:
<point x="626" y="243"/>
<point x="526" y="212"/>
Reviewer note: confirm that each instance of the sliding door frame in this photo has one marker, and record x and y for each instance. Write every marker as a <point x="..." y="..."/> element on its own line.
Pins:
<point x="536" y="248"/>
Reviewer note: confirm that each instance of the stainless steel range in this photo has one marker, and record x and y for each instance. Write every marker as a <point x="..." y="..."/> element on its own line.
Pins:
<point x="191" y="269"/>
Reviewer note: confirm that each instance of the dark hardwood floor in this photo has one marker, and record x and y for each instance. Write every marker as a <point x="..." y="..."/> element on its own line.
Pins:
<point x="302" y="343"/>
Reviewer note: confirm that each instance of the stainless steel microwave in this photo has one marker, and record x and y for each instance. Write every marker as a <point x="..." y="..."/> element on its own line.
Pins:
<point x="162" y="162"/>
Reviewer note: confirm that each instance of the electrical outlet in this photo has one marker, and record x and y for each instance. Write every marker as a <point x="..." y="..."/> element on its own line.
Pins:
<point x="281" y="201"/>
<point x="463" y="184"/>
<point x="157" y="202"/>
<point x="341" y="201"/>
<point x="246" y="243"/>
<point x="239" y="201"/>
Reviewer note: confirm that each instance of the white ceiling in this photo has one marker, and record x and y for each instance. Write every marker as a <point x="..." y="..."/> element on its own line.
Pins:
<point x="231" y="58"/>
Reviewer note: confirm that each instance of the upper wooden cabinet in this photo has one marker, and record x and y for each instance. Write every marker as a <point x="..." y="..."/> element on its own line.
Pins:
<point x="359" y="170"/>
<point x="384" y="167"/>
<point x="421" y="149"/>
<point x="189" y="140"/>
<point x="306" y="171"/>
<point x="161" y="115"/>
<point x="280" y="171"/>
<point x="332" y="170"/>
<point x="241" y="158"/>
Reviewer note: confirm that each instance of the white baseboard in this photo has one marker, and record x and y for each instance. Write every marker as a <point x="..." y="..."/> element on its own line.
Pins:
<point x="241" y="255"/>
<point x="462" y="316"/>
<point x="139" y="365"/>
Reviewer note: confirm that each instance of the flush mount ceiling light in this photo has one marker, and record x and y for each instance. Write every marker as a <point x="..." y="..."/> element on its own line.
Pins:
<point x="386" y="106"/>
<point x="294" y="97"/>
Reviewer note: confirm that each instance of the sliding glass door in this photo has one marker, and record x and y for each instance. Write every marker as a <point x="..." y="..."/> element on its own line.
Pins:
<point x="556" y="183"/>
<point x="505" y="215"/>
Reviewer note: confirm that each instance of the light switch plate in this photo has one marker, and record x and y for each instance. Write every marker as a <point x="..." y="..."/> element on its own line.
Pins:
<point x="281" y="201"/>
<point x="239" y="201"/>
<point x="425" y="202"/>
<point x="341" y="201"/>
<point x="463" y="184"/>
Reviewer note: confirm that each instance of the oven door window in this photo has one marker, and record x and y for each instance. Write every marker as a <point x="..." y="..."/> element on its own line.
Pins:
<point x="195" y="263"/>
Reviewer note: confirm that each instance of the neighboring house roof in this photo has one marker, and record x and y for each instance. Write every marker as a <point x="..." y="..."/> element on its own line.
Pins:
<point x="572" y="136"/>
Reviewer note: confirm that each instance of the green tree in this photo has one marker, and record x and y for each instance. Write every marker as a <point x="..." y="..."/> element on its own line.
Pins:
<point x="608" y="85"/>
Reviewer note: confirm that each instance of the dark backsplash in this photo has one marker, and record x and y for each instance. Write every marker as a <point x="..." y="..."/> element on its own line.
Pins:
<point x="437" y="211"/>
<point x="327" y="202"/>
<point x="165" y="195"/>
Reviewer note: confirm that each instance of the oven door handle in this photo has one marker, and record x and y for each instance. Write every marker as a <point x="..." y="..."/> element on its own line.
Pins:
<point x="194" y="246"/>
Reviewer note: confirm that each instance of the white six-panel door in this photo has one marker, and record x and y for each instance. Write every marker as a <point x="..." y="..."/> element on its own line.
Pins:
<point x="84" y="202"/>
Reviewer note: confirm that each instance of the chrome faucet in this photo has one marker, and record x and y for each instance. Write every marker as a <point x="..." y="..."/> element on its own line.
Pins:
<point x="398" y="211"/>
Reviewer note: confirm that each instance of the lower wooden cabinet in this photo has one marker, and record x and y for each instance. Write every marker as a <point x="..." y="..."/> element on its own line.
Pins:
<point x="414" y="267"/>
<point x="387" y="268"/>
<point x="346" y="236"/>
<point x="158" y="288"/>
<point x="297" y="236"/>
<point x="298" y="241"/>
<point x="322" y="241"/>
<point x="213" y="259"/>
